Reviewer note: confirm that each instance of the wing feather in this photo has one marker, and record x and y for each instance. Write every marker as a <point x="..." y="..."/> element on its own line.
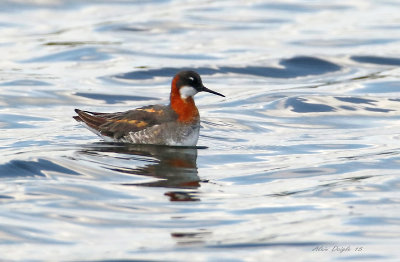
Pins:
<point x="120" y="124"/>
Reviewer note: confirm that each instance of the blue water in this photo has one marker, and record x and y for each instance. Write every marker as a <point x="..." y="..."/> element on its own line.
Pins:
<point x="300" y="161"/>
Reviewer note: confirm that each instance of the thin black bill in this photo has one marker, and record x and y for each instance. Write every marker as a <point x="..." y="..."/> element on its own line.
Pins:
<point x="205" y="89"/>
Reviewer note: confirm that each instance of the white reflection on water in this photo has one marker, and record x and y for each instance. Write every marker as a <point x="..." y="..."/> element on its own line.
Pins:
<point x="302" y="153"/>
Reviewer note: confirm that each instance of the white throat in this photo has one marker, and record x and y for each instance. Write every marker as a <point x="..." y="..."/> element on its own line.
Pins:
<point x="187" y="91"/>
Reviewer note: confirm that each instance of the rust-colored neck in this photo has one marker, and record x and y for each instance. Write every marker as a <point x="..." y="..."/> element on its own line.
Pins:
<point x="185" y="108"/>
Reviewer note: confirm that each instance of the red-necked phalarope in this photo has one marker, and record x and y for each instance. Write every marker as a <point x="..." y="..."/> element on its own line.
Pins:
<point x="176" y="124"/>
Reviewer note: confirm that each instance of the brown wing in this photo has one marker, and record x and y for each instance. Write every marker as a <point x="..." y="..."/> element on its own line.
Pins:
<point x="120" y="124"/>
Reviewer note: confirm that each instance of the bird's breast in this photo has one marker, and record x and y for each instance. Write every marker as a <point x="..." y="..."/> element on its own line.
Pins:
<point x="186" y="110"/>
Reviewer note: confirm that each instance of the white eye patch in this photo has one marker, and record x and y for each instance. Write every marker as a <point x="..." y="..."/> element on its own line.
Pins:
<point x="187" y="91"/>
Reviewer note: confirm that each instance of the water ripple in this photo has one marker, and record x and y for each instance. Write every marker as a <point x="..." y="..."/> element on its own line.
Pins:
<point x="88" y="54"/>
<point x="20" y="168"/>
<point x="293" y="67"/>
<point x="377" y="60"/>
<point x="301" y="154"/>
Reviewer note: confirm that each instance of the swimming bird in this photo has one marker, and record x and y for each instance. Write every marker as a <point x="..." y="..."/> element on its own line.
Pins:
<point x="175" y="124"/>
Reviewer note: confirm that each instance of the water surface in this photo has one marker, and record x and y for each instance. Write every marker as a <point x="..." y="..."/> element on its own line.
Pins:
<point x="300" y="160"/>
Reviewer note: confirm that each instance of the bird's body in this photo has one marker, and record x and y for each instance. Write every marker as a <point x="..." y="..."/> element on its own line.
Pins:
<point x="176" y="124"/>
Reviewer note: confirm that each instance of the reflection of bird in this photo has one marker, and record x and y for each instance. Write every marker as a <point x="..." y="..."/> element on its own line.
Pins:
<point x="172" y="166"/>
<point x="176" y="124"/>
